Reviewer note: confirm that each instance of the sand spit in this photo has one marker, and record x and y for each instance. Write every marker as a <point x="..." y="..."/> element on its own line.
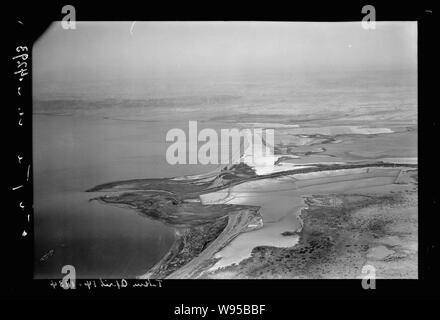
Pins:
<point x="239" y="211"/>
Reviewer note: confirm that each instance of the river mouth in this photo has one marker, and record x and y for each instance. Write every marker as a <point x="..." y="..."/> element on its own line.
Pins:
<point x="124" y="188"/>
<point x="105" y="158"/>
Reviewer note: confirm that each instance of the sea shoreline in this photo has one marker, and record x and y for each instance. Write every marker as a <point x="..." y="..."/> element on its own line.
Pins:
<point x="201" y="230"/>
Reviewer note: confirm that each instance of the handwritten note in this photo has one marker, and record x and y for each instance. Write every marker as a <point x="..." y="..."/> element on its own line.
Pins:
<point x="114" y="283"/>
<point x="21" y="71"/>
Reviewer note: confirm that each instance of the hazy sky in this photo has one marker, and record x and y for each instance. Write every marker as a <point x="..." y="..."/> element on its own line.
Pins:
<point x="108" y="49"/>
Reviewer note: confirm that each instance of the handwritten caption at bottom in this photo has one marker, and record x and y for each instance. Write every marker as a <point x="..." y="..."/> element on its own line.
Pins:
<point x="105" y="283"/>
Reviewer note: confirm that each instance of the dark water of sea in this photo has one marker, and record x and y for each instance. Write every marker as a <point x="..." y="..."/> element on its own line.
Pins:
<point x="74" y="153"/>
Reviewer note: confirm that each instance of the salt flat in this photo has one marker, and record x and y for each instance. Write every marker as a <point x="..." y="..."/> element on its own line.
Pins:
<point x="281" y="201"/>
